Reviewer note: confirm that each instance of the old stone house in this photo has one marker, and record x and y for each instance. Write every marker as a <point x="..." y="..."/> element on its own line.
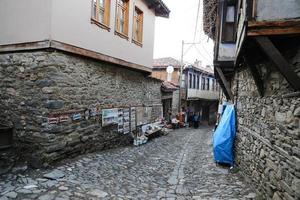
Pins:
<point x="62" y="62"/>
<point x="170" y="86"/>
<point x="200" y="91"/>
<point x="159" y="69"/>
<point x="257" y="63"/>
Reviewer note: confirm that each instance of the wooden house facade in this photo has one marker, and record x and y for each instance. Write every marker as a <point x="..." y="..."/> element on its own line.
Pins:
<point x="256" y="60"/>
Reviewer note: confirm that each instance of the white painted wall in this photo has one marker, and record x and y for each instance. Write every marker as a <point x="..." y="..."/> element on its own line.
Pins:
<point x="71" y="24"/>
<point x="69" y="21"/>
<point x="226" y="52"/>
<point x="24" y="21"/>
<point x="272" y="10"/>
<point x="203" y="94"/>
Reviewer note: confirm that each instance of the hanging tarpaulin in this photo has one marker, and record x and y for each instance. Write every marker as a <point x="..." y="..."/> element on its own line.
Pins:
<point x="224" y="136"/>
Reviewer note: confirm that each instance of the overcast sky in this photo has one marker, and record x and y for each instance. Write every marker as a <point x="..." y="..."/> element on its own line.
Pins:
<point x="181" y="26"/>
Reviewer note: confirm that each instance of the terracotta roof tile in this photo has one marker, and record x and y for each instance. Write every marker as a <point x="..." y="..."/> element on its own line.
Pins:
<point x="169" y="86"/>
<point x="165" y="62"/>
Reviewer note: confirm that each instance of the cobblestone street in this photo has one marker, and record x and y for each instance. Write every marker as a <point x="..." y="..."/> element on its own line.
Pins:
<point x="177" y="166"/>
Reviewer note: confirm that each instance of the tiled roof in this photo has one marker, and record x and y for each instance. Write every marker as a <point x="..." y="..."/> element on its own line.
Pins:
<point x="208" y="70"/>
<point x="169" y="86"/>
<point x="165" y="62"/>
<point x="159" y="7"/>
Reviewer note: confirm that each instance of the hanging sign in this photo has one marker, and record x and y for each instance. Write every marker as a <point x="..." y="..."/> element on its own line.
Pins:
<point x="53" y="120"/>
<point x="76" y="117"/>
<point x="132" y="119"/>
<point x="63" y="118"/>
<point x="126" y="120"/>
<point x="120" y="120"/>
<point x="109" y="116"/>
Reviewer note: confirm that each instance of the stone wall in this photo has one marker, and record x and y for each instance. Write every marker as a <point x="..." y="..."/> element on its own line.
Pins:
<point x="175" y="103"/>
<point x="268" y="138"/>
<point x="35" y="86"/>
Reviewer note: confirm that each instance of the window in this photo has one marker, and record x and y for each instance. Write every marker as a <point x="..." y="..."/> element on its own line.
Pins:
<point x="198" y="80"/>
<point x="122" y="18"/>
<point x="190" y="80"/>
<point x="138" y="26"/>
<point x="194" y="81"/>
<point x="183" y="81"/>
<point x="229" y="18"/>
<point x="101" y="13"/>
<point x="203" y="83"/>
<point x="207" y="84"/>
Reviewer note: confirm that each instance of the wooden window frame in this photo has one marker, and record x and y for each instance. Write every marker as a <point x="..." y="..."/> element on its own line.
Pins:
<point x="95" y="19"/>
<point x="198" y="82"/>
<point x="138" y="19"/>
<point x="207" y="84"/>
<point x="202" y="83"/>
<point x="194" y="81"/>
<point x="124" y="8"/>
<point x="190" y="81"/>
<point x="225" y="24"/>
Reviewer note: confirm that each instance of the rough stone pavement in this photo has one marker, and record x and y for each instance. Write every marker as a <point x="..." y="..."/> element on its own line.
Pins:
<point x="177" y="166"/>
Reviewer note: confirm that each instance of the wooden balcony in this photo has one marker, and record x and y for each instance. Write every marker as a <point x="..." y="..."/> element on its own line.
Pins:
<point x="193" y="94"/>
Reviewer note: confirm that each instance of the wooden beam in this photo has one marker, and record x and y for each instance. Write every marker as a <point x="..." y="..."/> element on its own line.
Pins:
<point x="255" y="74"/>
<point x="256" y="28"/>
<point x="75" y="50"/>
<point x="290" y="23"/>
<point x="280" y="62"/>
<point x="25" y="46"/>
<point x="273" y="31"/>
<point x="227" y="91"/>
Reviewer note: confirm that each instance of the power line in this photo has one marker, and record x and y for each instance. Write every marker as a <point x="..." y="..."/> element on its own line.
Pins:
<point x="202" y="55"/>
<point x="197" y="18"/>
<point x="209" y="55"/>
<point x="186" y="51"/>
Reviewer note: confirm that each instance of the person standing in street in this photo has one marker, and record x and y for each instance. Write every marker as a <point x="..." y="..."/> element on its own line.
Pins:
<point x="196" y="120"/>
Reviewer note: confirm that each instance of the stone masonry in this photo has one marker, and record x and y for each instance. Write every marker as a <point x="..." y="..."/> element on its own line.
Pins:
<point x="37" y="85"/>
<point x="268" y="138"/>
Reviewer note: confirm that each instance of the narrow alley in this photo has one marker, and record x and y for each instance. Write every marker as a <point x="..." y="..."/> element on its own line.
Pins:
<point x="179" y="165"/>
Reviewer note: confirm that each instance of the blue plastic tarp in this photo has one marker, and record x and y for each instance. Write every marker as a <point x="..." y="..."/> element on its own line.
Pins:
<point x="224" y="136"/>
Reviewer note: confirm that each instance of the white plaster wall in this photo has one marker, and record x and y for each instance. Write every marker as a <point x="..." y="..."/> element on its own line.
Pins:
<point x="71" y="24"/>
<point x="271" y="10"/>
<point x="203" y="94"/>
<point x="226" y="52"/>
<point x="24" y="21"/>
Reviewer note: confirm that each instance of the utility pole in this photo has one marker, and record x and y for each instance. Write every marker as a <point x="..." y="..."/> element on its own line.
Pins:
<point x="181" y="69"/>
<point x="180" y="76"/>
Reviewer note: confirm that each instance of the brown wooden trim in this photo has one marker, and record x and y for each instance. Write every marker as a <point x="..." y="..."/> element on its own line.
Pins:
<point x="254" y="9"/>
<point x="269" y="32"/>
<point x="280" y="62"/>
<point x="138" y="21"/>
<point x="72" y="49"/>
<point x="137" y="42"/>
<point x="256" y="28"/>
<point x="227" y="91"/>
<point x="93" y="21"/>
<point x="121" y="35"/>
<point x="98" y="56"/>
<point x="293" y="23"/>
<point x="25" y="46"/>
<point x="255" y="74"/>
<point x="119" y="9"/>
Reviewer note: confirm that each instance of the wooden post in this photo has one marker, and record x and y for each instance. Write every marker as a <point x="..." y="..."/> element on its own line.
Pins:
<point x="225" y="83"/>
<point x="255" y="74"/>
<point x="280" y="62"/>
